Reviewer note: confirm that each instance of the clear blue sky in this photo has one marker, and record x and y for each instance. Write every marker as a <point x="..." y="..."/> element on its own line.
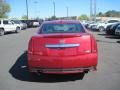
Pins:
<point x="44" y="8"/>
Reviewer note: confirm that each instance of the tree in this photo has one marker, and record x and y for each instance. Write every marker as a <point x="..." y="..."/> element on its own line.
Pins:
<point x="100" y="14"/>
<point x="24" y="17"/>
<point x="4" y="9"/>
<point x="37" y="18"/>
<point x="110" y="13"/>
<point x="53" y="17"/>
<point x="83" y="17"/>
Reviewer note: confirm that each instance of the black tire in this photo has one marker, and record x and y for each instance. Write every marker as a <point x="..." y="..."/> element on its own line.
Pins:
<point x="17" y="30"/>
<point x="101" y="28"/>
<point x="2" y="32"/>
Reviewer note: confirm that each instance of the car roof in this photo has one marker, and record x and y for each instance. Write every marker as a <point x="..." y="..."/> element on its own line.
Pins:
<point x="61" y="21"/>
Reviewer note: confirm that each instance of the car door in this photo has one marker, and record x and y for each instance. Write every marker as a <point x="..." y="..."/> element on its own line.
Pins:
<point x="8" y="25"/>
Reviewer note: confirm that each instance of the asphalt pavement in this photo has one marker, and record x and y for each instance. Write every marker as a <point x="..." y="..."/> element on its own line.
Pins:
<point x="14" y="73"/>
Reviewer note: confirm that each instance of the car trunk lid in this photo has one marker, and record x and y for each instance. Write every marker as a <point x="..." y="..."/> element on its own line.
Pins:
<point x="62" y="44"/>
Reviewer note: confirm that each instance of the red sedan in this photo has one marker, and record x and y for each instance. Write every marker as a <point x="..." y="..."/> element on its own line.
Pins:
<point x="62" y="47"/>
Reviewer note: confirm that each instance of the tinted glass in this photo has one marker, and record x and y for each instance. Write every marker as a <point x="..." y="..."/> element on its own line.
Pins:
<point x="62" y="28"/>
<point x="23" y="21"/>
<point x="112" y="21"/>
<point x="16" y="21"/>
<point x="5" y="22"/>
<point x="0" y="22"/>
<point x="118" y="27"/>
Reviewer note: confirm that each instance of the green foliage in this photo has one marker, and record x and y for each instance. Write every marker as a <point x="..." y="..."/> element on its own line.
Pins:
<point x="24" y="17"/>
<point x="4" y="9"/>
<point x="83" y="17"/>
<point x="100" y="14"/>
<point x="110" y="13"/>
<point x="37" y="18"/>
<point x="53" y="17"/>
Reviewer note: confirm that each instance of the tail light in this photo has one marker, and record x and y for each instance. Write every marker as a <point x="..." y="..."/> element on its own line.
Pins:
<point x="93" y="45"/>
<point x="30" y="46"/>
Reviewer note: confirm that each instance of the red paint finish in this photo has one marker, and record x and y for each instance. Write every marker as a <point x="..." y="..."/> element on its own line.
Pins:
<point x="62" y="60"/>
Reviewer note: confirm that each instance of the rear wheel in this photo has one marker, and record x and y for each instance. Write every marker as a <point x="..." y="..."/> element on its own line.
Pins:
<point x="17" y="30"/>
<point x="101" y="29"/>
<point x="2" y="32"/>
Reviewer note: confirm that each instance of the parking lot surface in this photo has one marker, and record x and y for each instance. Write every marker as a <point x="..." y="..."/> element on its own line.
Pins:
<point x="14" y="73"/>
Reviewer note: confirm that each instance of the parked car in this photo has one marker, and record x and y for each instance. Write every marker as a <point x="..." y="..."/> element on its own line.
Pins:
<point x="35" y="23"/>
<point x="117" y="31"/>
<point x="8" y="26"/>
<point x="24" y="25"/>
<point x="90" y="24"/>
<point x="62" y="47"/>
<point x="31" y="23"/>
<point x="20" y="24"/>
<point x="110" y="30"/>
<point x="94" y="26"/>
<point x="85" y="23"/>
<point x="103" y="25"/>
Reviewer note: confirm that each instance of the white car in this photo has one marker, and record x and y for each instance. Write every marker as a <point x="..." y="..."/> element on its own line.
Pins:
<point x="36" y="24"/>
<point x="90" y="24"/>
<point x="117" y="31"/>
<point x="7" y="26"/>
<point x="103" y="25"/>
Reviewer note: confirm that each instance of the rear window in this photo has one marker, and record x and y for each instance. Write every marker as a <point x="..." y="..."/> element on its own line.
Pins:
<point x="62" y="28"/>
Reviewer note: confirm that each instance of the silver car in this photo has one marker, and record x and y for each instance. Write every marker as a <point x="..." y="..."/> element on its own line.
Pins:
<point x="22" y="25"/>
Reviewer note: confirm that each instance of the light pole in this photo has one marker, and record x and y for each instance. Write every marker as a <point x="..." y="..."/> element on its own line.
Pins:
<point x="27" y="8"/>
<point x="54" y="7"/>
<point x="36" y="10"/>
<point x="91" y="12"/>
<point x="95" y="10"/>
<point x="67" y="11"/>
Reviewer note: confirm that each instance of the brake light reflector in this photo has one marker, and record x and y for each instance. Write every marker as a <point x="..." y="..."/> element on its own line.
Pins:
<point x="93" y="45"/>
<point x="30" y="46"/>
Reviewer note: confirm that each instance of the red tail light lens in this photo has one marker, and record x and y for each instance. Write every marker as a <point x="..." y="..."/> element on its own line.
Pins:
<point x="30" y="46"/>
<point x="93" y="45"/>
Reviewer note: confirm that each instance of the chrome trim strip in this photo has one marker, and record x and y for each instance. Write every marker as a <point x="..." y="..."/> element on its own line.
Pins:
<point x="61" y="45"/>
<point x="61" y="70"/>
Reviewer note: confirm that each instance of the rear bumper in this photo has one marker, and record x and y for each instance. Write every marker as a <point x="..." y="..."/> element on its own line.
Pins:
<point x="62" y="71"/>
<point x="71" y="64"/>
